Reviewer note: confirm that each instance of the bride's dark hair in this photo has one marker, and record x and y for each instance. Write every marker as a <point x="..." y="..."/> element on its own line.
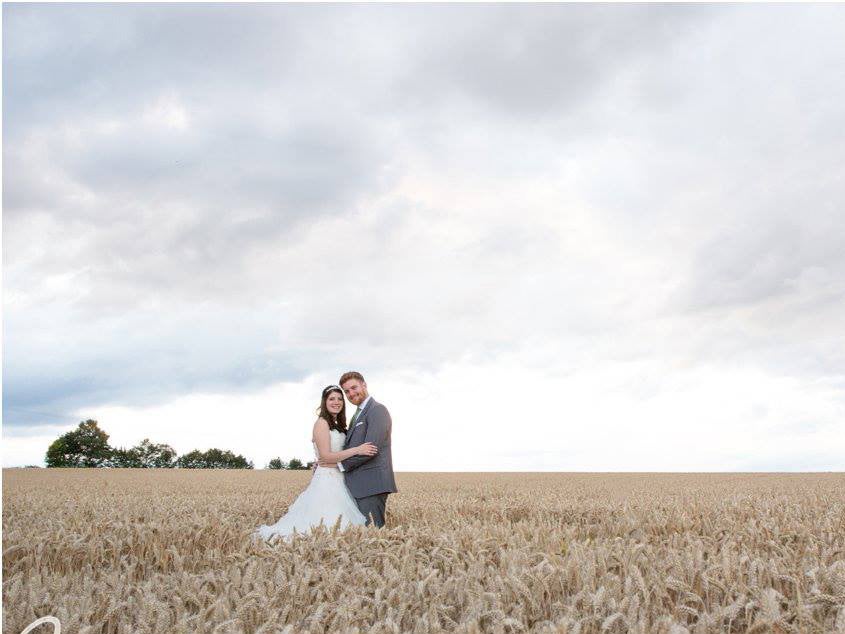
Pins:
<point x="335" y="422"/>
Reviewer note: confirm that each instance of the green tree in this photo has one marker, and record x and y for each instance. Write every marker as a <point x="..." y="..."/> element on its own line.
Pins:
<point x="276" y="463"/>
<point x="295" y="464"/>
<point x="155" y="456"/>
<point x="192" y="460"/>
<point x="213" y="459"/>
<point x="85" y="446"/>
<point x="146" y="455"/>
<point x="125" y="458"/>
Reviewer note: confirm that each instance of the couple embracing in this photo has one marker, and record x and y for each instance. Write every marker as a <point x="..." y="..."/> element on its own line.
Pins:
<point x="354" y="473"/>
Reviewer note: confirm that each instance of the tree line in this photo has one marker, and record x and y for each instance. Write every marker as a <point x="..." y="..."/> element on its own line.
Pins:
<point x="88" y="446"/>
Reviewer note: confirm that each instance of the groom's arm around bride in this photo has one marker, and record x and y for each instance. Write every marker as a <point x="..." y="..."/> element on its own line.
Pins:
<point x="379" y="425"/>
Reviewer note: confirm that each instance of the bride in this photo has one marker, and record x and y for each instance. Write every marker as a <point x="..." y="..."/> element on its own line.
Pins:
<point x="326" y="496"/>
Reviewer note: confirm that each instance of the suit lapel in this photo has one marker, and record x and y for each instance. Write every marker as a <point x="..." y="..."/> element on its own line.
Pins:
<point x="362" y="417"/>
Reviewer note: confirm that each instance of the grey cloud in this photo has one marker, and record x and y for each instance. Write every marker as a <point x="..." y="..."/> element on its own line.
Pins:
<point x="789" y="461"/>
<point x="181" y="217"/>
<point x="141" y="359"/>
<point x="773" y="234"/>
<point x="106" y="58"/>
<point x="746" y="267"/>
<point x="215" y="256"/>
<point x="542" y="59"/>
<point x="302" y="169"/>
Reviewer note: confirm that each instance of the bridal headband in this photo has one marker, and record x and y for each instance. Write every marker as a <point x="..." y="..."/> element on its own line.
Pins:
<point x="331" y="387"/>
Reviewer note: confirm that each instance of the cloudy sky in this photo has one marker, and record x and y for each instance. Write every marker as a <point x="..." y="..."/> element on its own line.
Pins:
<point x="552" y="237"/>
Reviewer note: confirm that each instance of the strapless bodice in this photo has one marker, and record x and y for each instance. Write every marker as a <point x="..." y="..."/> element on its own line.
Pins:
<point x="337" y="438"/>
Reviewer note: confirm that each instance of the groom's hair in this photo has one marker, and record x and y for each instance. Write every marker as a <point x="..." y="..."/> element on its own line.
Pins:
<point x="350" y="375"/>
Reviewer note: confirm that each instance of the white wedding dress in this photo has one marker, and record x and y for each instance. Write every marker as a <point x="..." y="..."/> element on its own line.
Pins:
<point x="325" y="498"/>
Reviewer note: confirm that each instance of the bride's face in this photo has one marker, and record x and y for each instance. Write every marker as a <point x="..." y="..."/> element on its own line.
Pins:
<point x="334" y="402"/>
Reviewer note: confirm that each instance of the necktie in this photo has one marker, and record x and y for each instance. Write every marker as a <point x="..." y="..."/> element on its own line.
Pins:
<point x="355" y="417"/>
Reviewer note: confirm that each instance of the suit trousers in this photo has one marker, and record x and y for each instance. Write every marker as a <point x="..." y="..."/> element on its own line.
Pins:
<point x="375" y="506"/>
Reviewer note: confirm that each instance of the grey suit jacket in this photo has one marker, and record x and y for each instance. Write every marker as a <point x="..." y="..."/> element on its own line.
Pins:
<point x="370" y="475"/>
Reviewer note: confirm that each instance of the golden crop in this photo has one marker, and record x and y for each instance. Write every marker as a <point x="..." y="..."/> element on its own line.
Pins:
<point x="120" y="550"/>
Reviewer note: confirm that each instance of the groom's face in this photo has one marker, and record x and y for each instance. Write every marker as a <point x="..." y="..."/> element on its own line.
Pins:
<point x="356" y="391"/>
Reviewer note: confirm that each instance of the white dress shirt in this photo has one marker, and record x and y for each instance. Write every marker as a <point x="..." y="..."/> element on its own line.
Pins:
<point x="360" y="409"/>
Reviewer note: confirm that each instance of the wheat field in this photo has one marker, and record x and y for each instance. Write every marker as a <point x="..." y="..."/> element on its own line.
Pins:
<point x="170" y="551"/>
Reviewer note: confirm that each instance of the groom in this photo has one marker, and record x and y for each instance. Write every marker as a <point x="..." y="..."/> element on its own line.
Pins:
<point x="369" y="478"/>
